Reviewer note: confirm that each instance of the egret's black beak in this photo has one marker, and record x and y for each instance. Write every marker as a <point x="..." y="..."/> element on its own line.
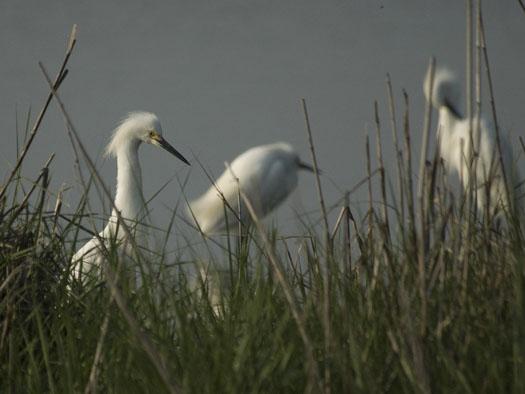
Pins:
<point x="453" y="109"/>
<point x="305" y="166"/>
<point x="166" y="145"/>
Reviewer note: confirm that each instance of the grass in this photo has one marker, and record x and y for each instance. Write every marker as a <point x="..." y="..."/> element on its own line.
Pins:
<point x="424" y="296"/>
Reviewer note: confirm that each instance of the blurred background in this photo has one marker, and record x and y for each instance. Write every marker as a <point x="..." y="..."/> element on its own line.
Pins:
<point x="227" y="75"/>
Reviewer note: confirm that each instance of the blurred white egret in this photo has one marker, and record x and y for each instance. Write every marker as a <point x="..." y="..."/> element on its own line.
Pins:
<point x="267" y="174"/>
<point x="136" y="128"/>
<point x="455" y="145"/>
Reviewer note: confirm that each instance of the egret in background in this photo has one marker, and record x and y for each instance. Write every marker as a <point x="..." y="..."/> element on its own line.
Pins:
<point x="266" y="174"/>
<point x="455" y="145"/>
<point x="136" y="128"/>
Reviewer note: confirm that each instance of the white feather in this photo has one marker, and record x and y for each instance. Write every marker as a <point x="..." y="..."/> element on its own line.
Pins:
<point x="267" y="174"/>
<point x="455" y="145"/>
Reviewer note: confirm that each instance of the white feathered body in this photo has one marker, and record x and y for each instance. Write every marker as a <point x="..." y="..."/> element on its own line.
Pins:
<point x="267" y="174"/>
<point x="455" y="148"/>
<point x="89" y="258"/>
<point x="455" y="145"/>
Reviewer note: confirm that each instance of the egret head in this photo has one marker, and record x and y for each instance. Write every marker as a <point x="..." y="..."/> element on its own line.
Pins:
<point x="305" y="166"/>
<point x="290" y="154"/>
<point x="140" y="127"/>
<point x="301" y="165"/>
<point x="446" y="90"/>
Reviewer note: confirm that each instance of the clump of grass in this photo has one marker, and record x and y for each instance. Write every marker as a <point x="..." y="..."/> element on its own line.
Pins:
<point x="420" y="294"/>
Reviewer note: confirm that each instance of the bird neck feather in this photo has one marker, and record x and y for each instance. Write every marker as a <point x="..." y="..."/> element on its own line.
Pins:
<point x="129" y="199"/>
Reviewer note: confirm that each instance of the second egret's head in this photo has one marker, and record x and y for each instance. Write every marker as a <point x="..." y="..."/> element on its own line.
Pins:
<point x="305" y="166"/>
<point x="140" y="127"/>
<point x="289" y="154"/>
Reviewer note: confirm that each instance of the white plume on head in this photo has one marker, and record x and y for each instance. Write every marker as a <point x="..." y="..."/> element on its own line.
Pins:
<point x="128" y="128"/>
<point x="446" y="91"/>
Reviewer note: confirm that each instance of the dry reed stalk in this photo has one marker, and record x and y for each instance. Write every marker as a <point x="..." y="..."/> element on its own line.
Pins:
<point x="432" y="188"/>
<point x="327" y="275"/>
<point x="468" y="64"/>
<point x="347" y="249"/>
<point x="40" y="207"/>
<point x="399" y="153"/>
<point x="408" y="176"/>
<point x="469" y="159"/>
<point x="25" y="200"/>
<point x="423" y="243"/>
<point x="339" y="220"/>
<point x="62" y="72"/>
<point x="382" y="178"/>
<point x="477" y="130"/>
<point x="317" y="178"/>
<point x="370" y="195"/>
<point x="494" y="114"/>
<point x="370" y="255"/>
<point x="343" y="219"/>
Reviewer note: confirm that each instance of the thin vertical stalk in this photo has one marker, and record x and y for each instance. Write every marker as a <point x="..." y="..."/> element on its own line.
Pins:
<point x="409" y="192"/>
<point x="468" y="71"/>
<point x="373" y="269"/>
<point x="379" y="153"/>
<point x="347" y="249"/>
<point x="471" y="184"/>
<point x="477" y="83"/>
<point x="477" y="129"/>
<point x="327" y="274"/>
<point x="423" y="203"/>
<point x="370" y="214"/>
<point x="424" y="145"/>
<point x="493" y="107"/>
<point x="43" y="195"/>
<point x="399" y="154"/>
<point x="317" y="178"/>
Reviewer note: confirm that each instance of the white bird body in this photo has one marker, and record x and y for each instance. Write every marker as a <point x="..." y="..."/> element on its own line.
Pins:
<point x="138" y="127"/>
<point x="455" y="144"/>
<point x="266" y="174"/>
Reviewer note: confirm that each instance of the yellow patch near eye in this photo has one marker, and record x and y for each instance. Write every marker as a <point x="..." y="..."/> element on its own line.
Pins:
<point x="154" y="135"/>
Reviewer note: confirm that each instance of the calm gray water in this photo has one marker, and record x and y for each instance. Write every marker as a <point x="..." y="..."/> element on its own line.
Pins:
<point x="227" y="75"/>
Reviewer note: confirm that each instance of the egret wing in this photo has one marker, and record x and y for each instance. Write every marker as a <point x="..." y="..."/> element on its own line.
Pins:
<point x="276" y="182"/>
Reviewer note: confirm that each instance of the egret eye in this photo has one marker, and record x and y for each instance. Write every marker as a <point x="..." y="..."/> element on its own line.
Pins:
<point x="152" y="134"/>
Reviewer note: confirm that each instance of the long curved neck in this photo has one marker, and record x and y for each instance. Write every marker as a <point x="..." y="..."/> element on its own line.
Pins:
<point x="129" y="199"/>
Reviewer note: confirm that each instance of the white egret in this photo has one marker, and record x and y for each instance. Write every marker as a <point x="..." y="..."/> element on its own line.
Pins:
<point x="455" y="145"/>
<point x="267" y="174"/>
<point x="136" y="128"/>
